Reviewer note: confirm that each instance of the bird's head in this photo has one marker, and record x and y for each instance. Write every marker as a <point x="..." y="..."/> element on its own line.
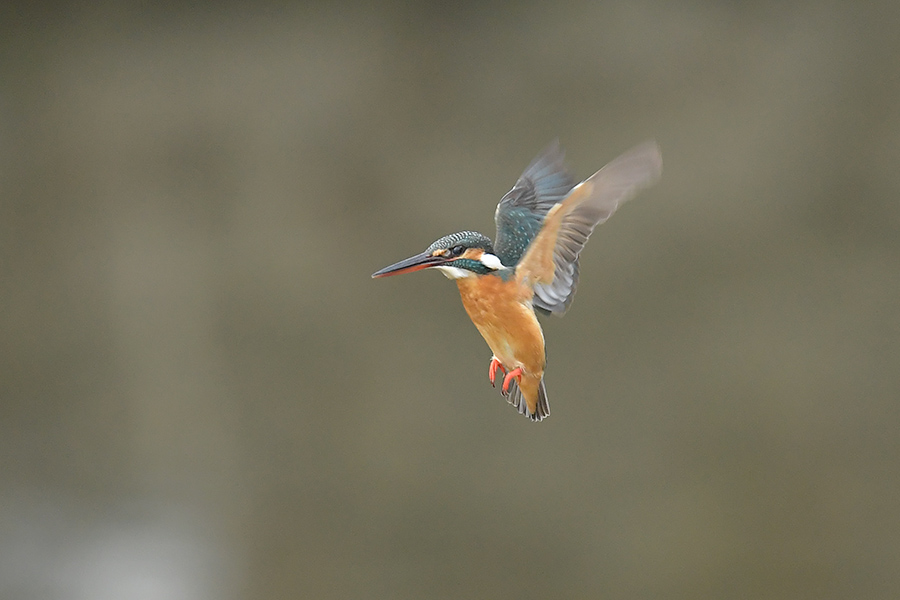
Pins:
<point x="463" y="254"/>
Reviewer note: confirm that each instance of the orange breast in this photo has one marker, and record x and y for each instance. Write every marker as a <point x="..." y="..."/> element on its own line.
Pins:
<point x="502" y="312"/>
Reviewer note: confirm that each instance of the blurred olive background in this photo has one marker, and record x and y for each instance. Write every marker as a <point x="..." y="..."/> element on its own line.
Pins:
<point x="205" y="396"/>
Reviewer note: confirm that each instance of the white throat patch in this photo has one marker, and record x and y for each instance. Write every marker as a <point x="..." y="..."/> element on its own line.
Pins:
<point x="455" y="272"/>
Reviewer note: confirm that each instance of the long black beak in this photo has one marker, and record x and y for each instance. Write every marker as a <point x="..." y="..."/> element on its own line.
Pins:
<point x="413" y="263"/>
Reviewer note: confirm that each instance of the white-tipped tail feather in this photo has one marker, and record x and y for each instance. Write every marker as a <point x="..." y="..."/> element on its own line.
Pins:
<point x="514" y="396"/>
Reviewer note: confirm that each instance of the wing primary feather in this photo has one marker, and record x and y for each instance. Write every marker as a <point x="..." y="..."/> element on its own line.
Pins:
<point x="551" y="260"/>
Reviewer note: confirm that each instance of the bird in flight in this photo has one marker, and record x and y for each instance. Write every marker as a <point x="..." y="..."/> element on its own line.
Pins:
<point x="543" y="223"/>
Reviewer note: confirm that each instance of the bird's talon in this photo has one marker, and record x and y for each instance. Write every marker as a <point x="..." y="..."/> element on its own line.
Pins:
<point x="492" y="369"/>
<point x="517" y="373"/>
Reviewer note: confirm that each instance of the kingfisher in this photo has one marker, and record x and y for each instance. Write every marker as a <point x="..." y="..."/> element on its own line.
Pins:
<point x="543" y="223"/>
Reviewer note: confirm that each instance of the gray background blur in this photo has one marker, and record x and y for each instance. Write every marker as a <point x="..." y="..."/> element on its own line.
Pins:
<point x="205" y="396"/>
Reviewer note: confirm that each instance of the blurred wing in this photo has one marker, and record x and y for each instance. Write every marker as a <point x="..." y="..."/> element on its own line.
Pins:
<point x="521" y="211"/>
<point x="551" y="263"/>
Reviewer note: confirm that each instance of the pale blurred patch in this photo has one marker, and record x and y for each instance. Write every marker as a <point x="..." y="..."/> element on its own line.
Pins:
<point x="52" y="547"/>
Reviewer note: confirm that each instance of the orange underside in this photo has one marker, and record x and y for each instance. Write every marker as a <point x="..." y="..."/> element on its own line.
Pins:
<point x="501" y="312"/>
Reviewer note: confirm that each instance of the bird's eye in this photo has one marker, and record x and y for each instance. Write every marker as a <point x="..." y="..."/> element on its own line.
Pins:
<point x="457" y="250"/>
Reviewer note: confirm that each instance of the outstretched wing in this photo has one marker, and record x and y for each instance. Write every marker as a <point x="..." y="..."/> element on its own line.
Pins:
<point x="521" y="211"/>
<point x="550" y="265"/>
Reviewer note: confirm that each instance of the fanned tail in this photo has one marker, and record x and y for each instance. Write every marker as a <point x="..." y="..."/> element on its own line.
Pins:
<point x="514" y="396"/>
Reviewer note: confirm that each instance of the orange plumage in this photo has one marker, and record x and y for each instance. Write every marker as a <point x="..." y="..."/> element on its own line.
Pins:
<point x="503" y="314"/>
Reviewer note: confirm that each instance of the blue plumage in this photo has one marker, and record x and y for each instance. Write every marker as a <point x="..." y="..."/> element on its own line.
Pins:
<point x="521" y="211"/>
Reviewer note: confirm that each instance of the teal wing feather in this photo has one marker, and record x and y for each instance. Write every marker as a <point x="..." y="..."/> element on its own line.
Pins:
<point x="521" y="211"/>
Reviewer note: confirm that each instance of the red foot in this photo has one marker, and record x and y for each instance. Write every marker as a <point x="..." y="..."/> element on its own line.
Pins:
<point x="517" y="373"/>
<point x="492" y="370"/>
